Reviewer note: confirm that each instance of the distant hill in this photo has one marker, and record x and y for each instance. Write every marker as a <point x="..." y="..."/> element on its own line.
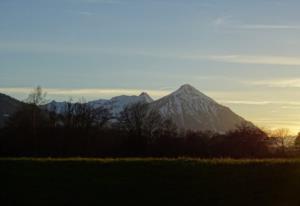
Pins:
<point x="8" y="106"/>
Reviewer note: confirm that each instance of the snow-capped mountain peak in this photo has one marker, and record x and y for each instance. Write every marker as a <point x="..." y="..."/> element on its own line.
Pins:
<point x="187" y="89"/>
<point x="191" y="109"/>
<point x="190" y="92"/>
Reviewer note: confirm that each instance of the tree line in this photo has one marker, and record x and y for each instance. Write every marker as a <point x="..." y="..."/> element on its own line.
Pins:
<point x="82" y="130"/>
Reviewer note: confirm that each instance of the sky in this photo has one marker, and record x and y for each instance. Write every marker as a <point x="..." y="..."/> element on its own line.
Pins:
<point x="244" y="54"/>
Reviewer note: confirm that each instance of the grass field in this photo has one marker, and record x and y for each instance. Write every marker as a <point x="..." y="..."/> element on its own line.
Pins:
<point x="166" y="182"/>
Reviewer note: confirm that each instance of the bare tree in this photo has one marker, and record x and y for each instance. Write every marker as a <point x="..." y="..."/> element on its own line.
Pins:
<point x="281" y="135"/>
<point x="297" y="140"/>
<point x="79" y="115"/>
<point x="145" y="123"/>
<point x="83" y="115"/>
<point x="37" y="97"/>
<point x="53" y="116"/>
<point x="132" y="118"/>
<point x="101" y="116"/>
<point x="68" y="114"/>
<point x="152" y="124"/>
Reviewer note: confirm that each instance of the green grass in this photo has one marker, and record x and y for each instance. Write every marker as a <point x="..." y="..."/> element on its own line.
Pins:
<point x="78" y="181"/>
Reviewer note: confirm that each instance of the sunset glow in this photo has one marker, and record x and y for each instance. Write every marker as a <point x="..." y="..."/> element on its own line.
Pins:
<point x="245" y="55"/>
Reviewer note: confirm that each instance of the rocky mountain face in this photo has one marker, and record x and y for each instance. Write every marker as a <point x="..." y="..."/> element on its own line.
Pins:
<point x="192" y="110"/>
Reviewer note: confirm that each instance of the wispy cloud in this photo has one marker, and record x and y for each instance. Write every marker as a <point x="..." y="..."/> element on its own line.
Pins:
<point x="231" y="23"/>
<point x="245" y="102"/>
<point x="253" y="59"/>
<point x="262" y="103"/>
<point x="297" y="107"/>
<point x="269" y="26"/>
<point x="221" y="21"/>
<point x="280" y="83"/>
<point x="86" y="13"/>
<point x="40" y="47"/>
<point x="80" y="12"/>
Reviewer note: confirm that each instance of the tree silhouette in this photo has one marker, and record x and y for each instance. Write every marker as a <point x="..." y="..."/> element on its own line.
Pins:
<point x="281" y="135"/>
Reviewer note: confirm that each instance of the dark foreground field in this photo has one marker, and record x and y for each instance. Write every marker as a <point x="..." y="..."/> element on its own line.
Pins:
<point x="149" y="182"/>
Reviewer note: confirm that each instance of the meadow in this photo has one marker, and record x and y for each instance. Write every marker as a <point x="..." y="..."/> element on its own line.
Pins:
<point x="149" y="181"/>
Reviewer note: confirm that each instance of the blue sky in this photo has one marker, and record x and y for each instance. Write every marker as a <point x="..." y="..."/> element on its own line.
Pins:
<point x="245" y="54"/>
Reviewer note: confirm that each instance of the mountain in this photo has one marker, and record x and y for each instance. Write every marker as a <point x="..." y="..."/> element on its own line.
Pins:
<point x="187" y="107"/>
<point x="115" y="104"/>
<point x="192" y="110"/>
<point x="8" y="106"/>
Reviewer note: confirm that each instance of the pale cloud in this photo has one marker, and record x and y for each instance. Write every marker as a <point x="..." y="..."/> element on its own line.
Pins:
<point x="254" y="59"/>
<point x="48" y="47"/>
<point x="232" y="23"/>
<point x="233" y="58"/>
<point x="219" y="21"/>
<point x="86" y="13"/>
<point x="291" y="107"/>
<point x="41" y="47"/>
<point x="80" y="12"/>
<point x="251" y="102"/>
<point x="280" y="83"/>
<point x="245" y="59"/>
<point x="269" y="26"/>
<point x="246" y="102"/>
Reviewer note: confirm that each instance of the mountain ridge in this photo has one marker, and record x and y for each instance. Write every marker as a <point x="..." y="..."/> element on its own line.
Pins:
<point x="187" y="107"/>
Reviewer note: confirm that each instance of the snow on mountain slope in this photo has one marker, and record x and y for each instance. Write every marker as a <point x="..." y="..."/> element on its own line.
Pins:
<point x="192" y="110"/>
<point x="115" y="104"/>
